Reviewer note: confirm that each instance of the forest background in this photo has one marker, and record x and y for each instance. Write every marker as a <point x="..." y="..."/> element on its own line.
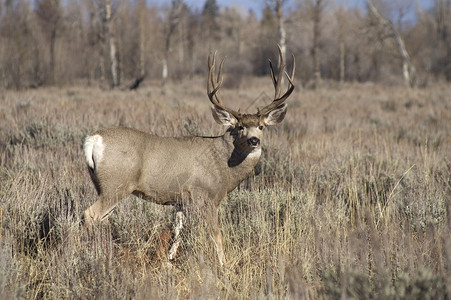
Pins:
<point x="115" y="43"/>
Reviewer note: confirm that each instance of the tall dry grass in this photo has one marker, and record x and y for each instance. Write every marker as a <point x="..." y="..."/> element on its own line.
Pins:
<point x="351" y="199"/>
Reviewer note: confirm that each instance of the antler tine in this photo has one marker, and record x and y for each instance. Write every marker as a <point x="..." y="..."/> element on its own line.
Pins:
<point x="214" y="84"/>
<point x="278" y="100"/>
<point x="293" y="69"/>
<point x="211" y="70"/>
<point x="290" y="81"/>
<point x="280" y="74"/>
<point x="211" y="83"/>
<point x="273" y="77"/>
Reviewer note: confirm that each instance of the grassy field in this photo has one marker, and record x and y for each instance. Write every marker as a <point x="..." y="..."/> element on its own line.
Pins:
<point x="351" y="200"/>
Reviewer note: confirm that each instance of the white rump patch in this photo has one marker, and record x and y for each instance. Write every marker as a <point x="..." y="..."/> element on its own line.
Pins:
<point x="93" y="148"/>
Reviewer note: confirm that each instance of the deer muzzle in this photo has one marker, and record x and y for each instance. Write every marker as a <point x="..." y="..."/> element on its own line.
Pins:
<point x="253" y="141"/>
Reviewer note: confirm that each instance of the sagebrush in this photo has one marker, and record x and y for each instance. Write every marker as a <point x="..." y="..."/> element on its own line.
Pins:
<point x="351" y="199"/>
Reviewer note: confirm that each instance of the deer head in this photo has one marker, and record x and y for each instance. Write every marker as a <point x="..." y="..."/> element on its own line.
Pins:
<point x="247" y="129"/>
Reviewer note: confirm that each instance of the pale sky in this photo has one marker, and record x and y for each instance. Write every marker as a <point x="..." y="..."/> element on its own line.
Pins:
<point x="258" y="5"/>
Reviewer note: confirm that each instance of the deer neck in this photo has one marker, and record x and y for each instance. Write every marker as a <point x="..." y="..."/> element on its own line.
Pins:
<point x="241" y="160"/>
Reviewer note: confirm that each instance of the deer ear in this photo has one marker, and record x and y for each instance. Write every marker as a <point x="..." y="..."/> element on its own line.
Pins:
<point x="276" y="115"/>
<point x="223" y="117"/>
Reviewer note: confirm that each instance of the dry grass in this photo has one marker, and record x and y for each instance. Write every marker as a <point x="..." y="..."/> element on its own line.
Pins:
<point x="351" y="199"/>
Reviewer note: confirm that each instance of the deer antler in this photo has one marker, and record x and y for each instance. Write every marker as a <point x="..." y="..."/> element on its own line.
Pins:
<point x="277" y="81"/>
<point x="214" y="84"/>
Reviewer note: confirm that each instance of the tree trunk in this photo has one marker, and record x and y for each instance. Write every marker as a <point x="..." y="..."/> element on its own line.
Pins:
<point x="342" y="62"/>
<point x="52" y="56"/>
<point x="164" y="72"/>
<point x="316" y="37"/>
<point x="281" y="29"/>
<point x="112" y="45"/>
<point x="173" y="22"/>
<point x="341" y="37"/>
<point x="406" y="67"/>
<point x="408" y="70"/>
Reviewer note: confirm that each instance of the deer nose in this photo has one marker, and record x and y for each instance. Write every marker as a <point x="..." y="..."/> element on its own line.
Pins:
<point x="253" y="142"/>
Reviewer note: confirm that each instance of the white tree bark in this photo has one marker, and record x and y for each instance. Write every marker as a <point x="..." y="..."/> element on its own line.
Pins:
<point x="172" y="24"/>
<point x="341" y="20"/>
<point x="112" y="44"/>
<point x="317" y="12"/>
<point x="164" y="71"/>
<point x="281" y="29"/>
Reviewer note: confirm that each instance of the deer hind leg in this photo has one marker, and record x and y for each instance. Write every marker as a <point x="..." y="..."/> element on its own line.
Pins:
<point x="95" y="212"/>
<point x="101" y="208"/>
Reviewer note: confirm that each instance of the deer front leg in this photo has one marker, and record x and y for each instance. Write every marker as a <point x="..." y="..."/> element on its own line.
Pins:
<point x="216" y="234"/>
<point x="179" y="221"/>
<point x="214" y="230"/>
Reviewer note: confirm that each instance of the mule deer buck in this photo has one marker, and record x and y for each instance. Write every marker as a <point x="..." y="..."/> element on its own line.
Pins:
<point x="174" y="170"/>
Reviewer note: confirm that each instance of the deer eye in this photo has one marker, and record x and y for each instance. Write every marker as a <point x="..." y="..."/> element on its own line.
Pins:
<point x="261" y="127"/>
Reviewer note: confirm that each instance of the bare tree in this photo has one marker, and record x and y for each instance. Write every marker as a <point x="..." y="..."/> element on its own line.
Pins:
<point x="142" y="37"/>
<point x="401" y="8"/>
<point x="281" y="28"/>
<point x="94" y="41"/>
<point x="210" y="27"/>
<point x="20" y="61"/>
<point x="317" y="9"/>
<point x="49" y="16"/>
<point x="232" y="25"/>
<point x="111" y="39"/>
<point x="341" y="20"/>
<point x="442" y="18"/>
<point x="408" y="69"/>
<point x="173" y="21"/>
<point x="277" y="6"/>
<point x="313" y="10"/>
